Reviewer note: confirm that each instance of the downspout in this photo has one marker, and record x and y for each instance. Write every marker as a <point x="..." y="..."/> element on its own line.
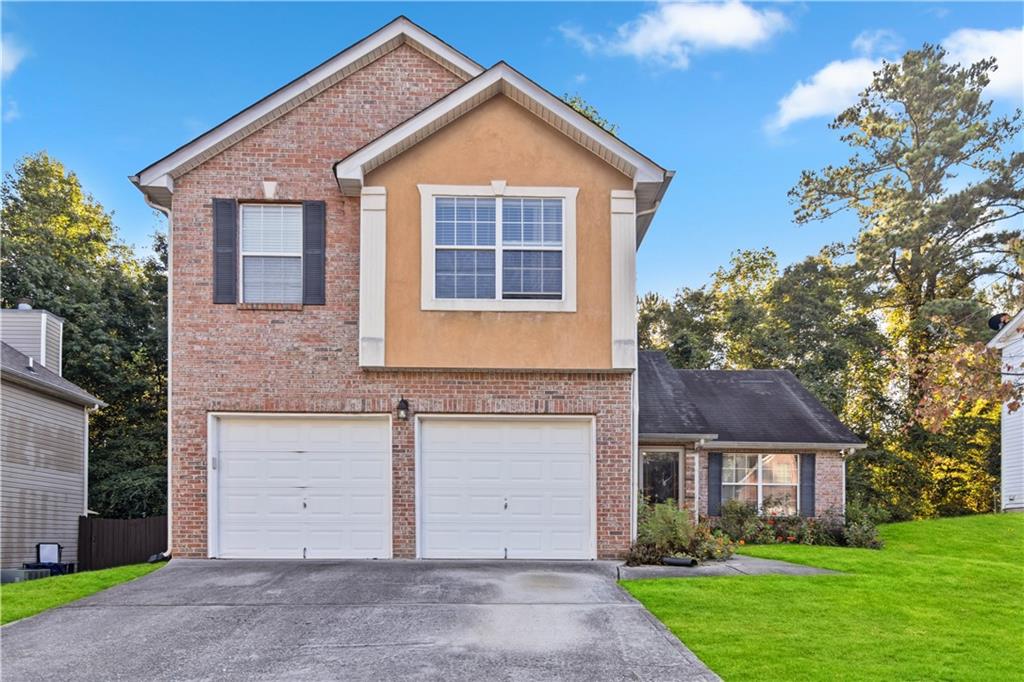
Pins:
<point x="166" y="554"/>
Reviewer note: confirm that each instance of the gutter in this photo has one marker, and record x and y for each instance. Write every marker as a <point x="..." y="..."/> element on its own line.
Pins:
<point x="674" y="438"/>
<point x="166" y="554"/>
<point x="767" y="445"/>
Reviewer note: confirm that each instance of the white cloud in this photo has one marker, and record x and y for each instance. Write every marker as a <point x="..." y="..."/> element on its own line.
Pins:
<point x="580" y="78"/>
<point x="879" y="41"/>
<point x="575" y="34"/>
<point x="826" y="93"/>
<point x="969" y="45"/>
<point x="12" y="111"/>
<point x="672" y="32"/>
<point x="11" y="55"/>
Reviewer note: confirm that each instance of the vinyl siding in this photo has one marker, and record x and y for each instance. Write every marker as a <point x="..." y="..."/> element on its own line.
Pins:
<point x="1013" y="437"/>
<point x="21" y="329"/>
<point x="53" y="342"/>
<point x="42" y="479"/>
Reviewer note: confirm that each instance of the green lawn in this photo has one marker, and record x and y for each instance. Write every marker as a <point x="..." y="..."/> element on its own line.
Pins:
<point x="20" y="600"/>
<point x="943" y="601"/>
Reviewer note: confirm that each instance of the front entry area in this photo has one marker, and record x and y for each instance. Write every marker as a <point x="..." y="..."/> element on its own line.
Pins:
<point x="506" y="488"/>
<point x="299" y="487"/>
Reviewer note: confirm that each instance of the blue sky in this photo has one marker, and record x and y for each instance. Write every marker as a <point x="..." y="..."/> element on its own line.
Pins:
<point x="733" y="97"/>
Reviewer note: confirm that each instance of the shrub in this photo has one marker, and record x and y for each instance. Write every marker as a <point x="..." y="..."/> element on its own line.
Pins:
<point x="666" y="530"/>
<point x="711" y="545"/>
<point x="740" y="521"/>
<point x="862" y="534"/>
<point x="665" y="527"/>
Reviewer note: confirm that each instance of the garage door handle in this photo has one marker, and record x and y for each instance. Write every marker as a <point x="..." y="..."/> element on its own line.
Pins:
<point x="506" y="503"/>
<point x="303" y="504"/>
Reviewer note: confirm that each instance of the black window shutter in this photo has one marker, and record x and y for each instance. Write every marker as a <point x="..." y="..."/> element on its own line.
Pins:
<point x="314" y="240"/>
<point x="807" y="485"/>
<point x="715" y="484"/>
<point x="225" y="251"/>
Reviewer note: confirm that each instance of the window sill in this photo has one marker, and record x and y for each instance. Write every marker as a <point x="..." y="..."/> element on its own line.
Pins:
<point x="500" y="305"/>
<point x="297" y="307"/>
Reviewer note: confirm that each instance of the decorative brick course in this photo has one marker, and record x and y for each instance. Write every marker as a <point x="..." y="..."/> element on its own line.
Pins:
<point x="279" y="359"/>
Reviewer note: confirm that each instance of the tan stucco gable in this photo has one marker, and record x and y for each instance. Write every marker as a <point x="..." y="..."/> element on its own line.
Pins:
<point x="499" y="140"/>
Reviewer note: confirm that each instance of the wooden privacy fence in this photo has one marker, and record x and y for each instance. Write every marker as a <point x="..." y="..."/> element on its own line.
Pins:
<point x="105" y="543"/>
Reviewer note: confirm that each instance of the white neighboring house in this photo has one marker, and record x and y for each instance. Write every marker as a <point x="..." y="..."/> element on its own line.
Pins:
<point x="1010" y="340"/>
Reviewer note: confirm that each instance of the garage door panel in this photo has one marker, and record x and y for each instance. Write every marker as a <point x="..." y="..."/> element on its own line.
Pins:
<point x="469" y="469"/>
<point x="286" y="485"/>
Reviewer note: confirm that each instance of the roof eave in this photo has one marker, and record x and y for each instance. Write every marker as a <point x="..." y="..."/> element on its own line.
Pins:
<point x="37" y="384"/>
<point x="155" y="181"/>
<point x="771" y="445"/>
<point x="674" y="438"/>
<point x="499" y="79"/>
<point x="1004" y="337"/>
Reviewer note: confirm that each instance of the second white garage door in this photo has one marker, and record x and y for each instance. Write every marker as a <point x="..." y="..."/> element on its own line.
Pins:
<point x="289" y="487"/>
<point x="506" y="488"/>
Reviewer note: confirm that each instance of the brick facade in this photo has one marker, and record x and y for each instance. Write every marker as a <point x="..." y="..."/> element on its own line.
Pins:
<point x="304" y="359"/>
<point x="829" y="480"/>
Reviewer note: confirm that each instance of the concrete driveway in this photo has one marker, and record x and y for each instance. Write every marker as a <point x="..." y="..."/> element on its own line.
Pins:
<point x="357" y="620"/>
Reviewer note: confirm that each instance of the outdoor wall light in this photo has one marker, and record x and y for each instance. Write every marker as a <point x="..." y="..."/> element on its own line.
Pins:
<point x="403" y="409"/>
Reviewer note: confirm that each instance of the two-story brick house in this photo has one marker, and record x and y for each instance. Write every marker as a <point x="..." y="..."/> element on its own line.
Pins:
<point x="403" y="316"/>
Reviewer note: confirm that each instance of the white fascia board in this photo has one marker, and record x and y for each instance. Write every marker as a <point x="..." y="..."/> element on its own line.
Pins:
<point x="349" y="171"/>
<point x="765" y="445"/>
<point x="1007" y="333"/>
<point x="399" y="27"/>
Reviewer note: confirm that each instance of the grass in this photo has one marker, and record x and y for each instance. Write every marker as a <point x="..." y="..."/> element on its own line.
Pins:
<point x="943" y="601"/>
<point x="21" y="600"/>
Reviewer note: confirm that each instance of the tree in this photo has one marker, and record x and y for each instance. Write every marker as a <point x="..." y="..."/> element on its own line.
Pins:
<point x="933" y="180"/>
<point x="60" y="249"/>
<point x="590" y="111"/>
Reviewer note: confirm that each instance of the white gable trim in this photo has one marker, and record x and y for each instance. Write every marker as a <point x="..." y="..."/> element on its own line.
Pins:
<point x="499" y="79"/>
<point x="1007" y="333"/>
<point x="400" y="31"/>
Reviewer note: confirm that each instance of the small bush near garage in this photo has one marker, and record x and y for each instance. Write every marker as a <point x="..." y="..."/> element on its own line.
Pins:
<point x="665" y="530"/>
<point x="744" y="524"/>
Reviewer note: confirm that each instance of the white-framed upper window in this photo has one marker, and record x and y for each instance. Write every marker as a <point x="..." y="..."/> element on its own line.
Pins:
<point x="271" y="253"/>
<point x="498" y="248"/>
<point x="769" y="482"/>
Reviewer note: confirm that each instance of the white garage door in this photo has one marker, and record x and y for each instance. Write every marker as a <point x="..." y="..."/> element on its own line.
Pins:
<point x="517" y="489"/>
<point x="290" y="487"/>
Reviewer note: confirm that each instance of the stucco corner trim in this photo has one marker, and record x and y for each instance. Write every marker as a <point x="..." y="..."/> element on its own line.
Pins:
<point x="372" y="275"/>
<point x="623" y="238"/>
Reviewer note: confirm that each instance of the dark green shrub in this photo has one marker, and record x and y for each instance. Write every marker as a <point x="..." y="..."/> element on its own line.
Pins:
<point x="739" y="520"/>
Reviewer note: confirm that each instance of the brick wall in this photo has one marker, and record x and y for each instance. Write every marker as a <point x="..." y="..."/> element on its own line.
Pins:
<point x="829" y="479"/>
<point x="304" y="359"/>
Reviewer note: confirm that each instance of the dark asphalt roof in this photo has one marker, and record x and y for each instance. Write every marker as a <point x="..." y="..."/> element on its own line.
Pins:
<point x="754" y="406"/>
<point x="665" y="406"/>
<point x="14" y="365"/>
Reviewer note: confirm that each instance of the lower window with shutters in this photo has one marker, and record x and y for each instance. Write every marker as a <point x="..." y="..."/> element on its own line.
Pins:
<point x="271" y="253"/>
<point x="769" y="482"/>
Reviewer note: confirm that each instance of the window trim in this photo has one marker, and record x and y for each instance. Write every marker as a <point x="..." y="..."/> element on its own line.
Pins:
<point x="497" y="189"/>
<point x="242" y="253"/>
<point x="761" y="485"/>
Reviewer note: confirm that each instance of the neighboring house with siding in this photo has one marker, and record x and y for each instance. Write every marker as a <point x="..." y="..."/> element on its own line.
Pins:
<point x="1010" y="342"/>
<point x="44" y="439"/>
<point x="403" y="318"/>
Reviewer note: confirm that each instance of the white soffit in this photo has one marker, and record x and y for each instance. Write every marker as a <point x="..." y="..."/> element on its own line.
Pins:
<point x="499" y="79"/>
<point x="157" y="179"/>
<point x="1006" y="334"/>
